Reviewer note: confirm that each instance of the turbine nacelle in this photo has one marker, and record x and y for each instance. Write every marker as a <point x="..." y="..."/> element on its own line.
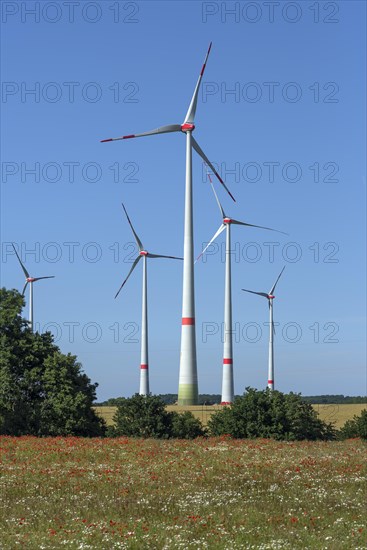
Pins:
<point x="143" y="253"/>
<point x="186" y="127"/>
<point x="270" y="296"/>
<point x="30" y="279"/>
<point x="227" y="220"/>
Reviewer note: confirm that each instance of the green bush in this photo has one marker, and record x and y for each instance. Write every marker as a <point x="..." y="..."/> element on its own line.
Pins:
<point x="186" y="426"/>
<point x="146" y="416"/>
<point x="357" y="427"/>
<point x="270" y="414"/>
<point x="142" y="416"/>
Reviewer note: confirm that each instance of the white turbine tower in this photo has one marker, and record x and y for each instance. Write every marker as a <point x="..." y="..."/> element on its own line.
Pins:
<point x="144" y="361"/>
<point x="188" y="380"/>
<point x="227" y="377"/>
<point x="270" y="297"/>
<point x="30" y="280"/>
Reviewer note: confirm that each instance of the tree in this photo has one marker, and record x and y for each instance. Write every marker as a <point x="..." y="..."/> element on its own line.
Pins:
<point x="146" y="416"/>
<point x="270" y="414"/>
<point x="42" y="391"/>
<point x="357" y="427"/>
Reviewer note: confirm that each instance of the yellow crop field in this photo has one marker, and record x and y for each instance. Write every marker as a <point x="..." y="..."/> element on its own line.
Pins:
<point x="107" y="413"/>
<point x="338" y="414"/>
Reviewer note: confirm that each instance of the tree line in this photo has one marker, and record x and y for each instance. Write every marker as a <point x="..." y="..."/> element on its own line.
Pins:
<point x="215" y="399"/>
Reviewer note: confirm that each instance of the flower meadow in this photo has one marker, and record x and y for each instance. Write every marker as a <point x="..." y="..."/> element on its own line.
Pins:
<point x="214" y="493"/>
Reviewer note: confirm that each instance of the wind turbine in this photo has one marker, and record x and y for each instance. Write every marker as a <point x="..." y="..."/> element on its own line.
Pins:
<point x="270" y="297"/>
<point x="30" y="280"/>
<point x="144" y="363"/>
<point x="188" y="380"/>
<point x="227" y="376"/>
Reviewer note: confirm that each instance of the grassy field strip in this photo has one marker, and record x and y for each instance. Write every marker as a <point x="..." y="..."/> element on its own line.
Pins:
<point x="211" y="493"/>
<point x="331" y="413"/>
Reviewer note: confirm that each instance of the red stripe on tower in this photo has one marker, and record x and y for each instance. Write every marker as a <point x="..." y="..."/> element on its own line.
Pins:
<point x="227" y="361"/>
<point x="144" y="367"/>
<point x="270" y="381"/>
<point x="188" y="320"/>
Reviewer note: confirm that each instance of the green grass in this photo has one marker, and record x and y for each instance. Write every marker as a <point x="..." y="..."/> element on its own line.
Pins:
<point x="212" y="493"/>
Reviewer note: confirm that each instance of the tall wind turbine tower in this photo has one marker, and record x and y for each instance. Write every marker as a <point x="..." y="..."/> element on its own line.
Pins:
<point x="29" y="281"/>
<point x="188" y="379"/>
<point x="270" y="297"/>
<point x="227" y="373"/>
<point x="144" y="361"/>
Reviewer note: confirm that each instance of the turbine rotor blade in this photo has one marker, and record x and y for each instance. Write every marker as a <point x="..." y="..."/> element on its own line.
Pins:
<point x="160" y="130"/>
<point x="218" y="201"/>
<point x="222" y="227"/>
<point x="130" y="272"/>
<point x="25" y="286"/>
<point x="138" y="241"/>
<point x="149" y="255"/>
<point x="22" y="265"/>
<point x="275" y="284"/>
<point x="190" y="115"/>
<point x="39" y="278"/>
<point x="258" y="293"/>
<point x="236" y="222"/>
<point x="273" y="324"/>
<point x="207" y="161"/>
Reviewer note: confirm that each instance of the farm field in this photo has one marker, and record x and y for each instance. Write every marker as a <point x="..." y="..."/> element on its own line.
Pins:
<point x="339" y="413"/>
<point x="215" y="493"/>
<point x="331" y="413"/>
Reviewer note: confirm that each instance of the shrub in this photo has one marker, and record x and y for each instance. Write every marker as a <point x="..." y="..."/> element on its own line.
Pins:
<point x="142" y="416"/>
<point x="357" y="427"/>
<point x="270" y="414"/>
<point x="146" y="416"/>
<point x="186" y="426"/>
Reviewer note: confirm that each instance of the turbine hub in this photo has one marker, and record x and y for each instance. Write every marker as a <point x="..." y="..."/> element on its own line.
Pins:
<point x="30" y="279"/>
<point x="271" y="296"/>
<point x="143" y="253"/>
<point x="187" y="127"/>
<point x="227" y="220"/>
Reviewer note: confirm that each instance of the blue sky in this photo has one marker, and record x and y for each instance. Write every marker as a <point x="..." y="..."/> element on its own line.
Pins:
<point x="282" y="113"/>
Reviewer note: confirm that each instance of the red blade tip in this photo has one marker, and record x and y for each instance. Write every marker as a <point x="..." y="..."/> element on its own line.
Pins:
<point x="104" y="140"/>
